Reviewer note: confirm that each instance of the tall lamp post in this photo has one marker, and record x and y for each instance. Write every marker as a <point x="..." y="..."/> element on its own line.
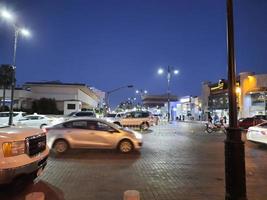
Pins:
<point x="17" y="31"/>
<point x="235" y="174"/>
<point x="114" y="90"/>
<point x="170" y="72"/>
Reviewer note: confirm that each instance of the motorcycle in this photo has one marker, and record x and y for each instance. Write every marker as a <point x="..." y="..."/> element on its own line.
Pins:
<point x="215" y="127"/>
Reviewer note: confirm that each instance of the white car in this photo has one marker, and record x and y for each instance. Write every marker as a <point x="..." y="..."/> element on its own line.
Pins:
<point x="112" y="117"/>
<point x="4" y="117"/>
<point x="23" y="151"/>
<point x="258" y="133"/>
<point x="38" y="121"/>
<point x="136" y="119"/>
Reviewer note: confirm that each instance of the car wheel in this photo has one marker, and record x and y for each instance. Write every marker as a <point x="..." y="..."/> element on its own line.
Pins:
<point x="42" y="126"/>
<point x="144" y="126"/>
<point x="125" y="146"/>
<point x="60" y="146"/>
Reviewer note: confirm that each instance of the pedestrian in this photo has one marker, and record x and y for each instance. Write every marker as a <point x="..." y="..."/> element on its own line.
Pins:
<point x="225" y="119"/>
<point x="183" y="117"/>
<point x="198" y="117"/>
<point x="209" y="118"/>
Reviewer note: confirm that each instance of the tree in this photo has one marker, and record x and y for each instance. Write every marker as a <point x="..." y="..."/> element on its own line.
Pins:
<point x="45" y="106"/>
<point x="5" y="80"/>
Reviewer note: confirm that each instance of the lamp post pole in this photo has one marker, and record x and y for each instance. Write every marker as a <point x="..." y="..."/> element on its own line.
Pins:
<point x="235" y="175"/>
<point x="13" y="79"/>
<point x="111" y="91"/>
<point x="168" y="91"/>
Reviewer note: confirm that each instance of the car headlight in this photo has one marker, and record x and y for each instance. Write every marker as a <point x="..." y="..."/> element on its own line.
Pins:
<point x="13" y="148"/>
<point x="138" y="135"/>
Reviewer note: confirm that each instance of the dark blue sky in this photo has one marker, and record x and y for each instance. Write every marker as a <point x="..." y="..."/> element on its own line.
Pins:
<point x="110" y="43"/>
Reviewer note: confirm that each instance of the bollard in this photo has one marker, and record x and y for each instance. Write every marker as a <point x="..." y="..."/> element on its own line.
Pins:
<point x="35" y="196"/>
<point x="131" y="195"/>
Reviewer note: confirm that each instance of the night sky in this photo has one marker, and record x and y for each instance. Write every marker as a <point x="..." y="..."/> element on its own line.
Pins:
<point x="112" y="43"/>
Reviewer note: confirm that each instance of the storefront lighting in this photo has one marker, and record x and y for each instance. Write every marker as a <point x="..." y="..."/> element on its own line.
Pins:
<point x="238" y="90"/>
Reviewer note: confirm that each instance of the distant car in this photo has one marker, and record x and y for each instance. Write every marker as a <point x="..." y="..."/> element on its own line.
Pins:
<point x="92" y="133"/>
<point x="4" y="117"/>
<point x="112" y="117"/>
<point x="139" y="119"/>
<point x="248" y="122"/>
<point x="258" y="133"/>
<point x="82" y="114"/>
<point x="38" y="121"/>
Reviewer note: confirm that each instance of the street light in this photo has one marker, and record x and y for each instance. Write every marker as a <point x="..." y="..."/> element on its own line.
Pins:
<point x="17" y="30"/>
<point x="114" y="90"/>
<point x="235" y="172"/>
<point x="170" y="72"/>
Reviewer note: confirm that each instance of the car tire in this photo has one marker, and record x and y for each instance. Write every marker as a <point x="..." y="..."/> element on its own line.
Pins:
<point x="125" y="146"/>
<point x="144" y="126"/>
<point x="42" y="126"/>
<point x="60" y="146"/>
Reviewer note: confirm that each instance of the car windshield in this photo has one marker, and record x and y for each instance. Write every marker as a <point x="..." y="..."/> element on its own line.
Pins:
<point x="111" y="115"/>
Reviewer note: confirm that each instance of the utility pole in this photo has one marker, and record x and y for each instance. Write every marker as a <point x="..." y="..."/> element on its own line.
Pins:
<point x="235" y="174"/>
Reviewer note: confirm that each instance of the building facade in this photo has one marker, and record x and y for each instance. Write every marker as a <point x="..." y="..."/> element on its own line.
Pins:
<point x="61" y="92"/>
<point x="251" y="92"/>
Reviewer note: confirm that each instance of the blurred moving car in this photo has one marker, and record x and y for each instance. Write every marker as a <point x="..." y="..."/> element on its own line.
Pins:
<point x="23" y="152"/>
<point x="245" y="123"/>
<point x="38" y="121"/>
<point x="140" y="119"/>
<point x="92" y="133"/>
<point x="258" y="133"/>
<point x="4" y="117"/>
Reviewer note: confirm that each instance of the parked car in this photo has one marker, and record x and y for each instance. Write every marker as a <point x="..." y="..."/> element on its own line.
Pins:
<point x="245" y="123"/>
<point x="23" y="151"/>
<point x="258" y="133"/>
<point x="112" y="117"/>
<point x="82" y="114"/>
<point x="4" y="117"/>
<point x="92" y="133"/>
<point x="139" y="119"/>
<point x="38" y="121"/>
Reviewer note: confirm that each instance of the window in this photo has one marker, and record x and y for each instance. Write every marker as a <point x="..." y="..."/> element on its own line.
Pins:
<point x="104" y="127"/>
<point x="145" y="114"/>
<point x="79" y="124"/>
<point x="91" y="125"/>
<point x="85" y="114"/>
<point x="71" y="106"/>
<point x="33" y="117"/>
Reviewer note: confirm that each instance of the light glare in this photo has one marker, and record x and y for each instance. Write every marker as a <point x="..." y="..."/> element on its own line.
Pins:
<point x="7" y="15"/>
<point x="160" y="71"/>
<point x="176" y="71"/>
<point x="25" y="32"/>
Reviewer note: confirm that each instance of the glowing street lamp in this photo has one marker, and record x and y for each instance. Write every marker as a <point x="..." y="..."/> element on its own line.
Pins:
<point x="17" y="30"/>
<point x="170" y="71"/>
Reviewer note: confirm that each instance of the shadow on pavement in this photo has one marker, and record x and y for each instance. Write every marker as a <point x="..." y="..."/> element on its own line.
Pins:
<point x="18" y="191"/>
<point x="90" y="154"/>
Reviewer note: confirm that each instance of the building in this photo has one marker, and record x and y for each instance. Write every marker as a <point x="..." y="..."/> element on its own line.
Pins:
<point x="251" y="91"/>
<point x="62" y="92"/>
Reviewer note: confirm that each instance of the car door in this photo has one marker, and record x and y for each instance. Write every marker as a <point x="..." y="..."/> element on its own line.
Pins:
<point x="78" y="134"/>
<point x="103" y="136"/>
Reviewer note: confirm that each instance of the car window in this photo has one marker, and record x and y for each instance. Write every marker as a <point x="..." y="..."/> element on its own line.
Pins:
<point x="33" y="117"/>
<point x="79" y="124"/>
<point x="263" y="125"/>
<point x="4" y="114"/>
<point x="91" y="125"/>
<point x="145" y="114"/>
<point x="82" y="114"/>
<point x="104" y="127"/>
<point x="111" y="115"/>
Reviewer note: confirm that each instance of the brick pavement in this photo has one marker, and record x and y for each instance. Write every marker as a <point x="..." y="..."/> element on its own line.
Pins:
<point x="178" y="161"/>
